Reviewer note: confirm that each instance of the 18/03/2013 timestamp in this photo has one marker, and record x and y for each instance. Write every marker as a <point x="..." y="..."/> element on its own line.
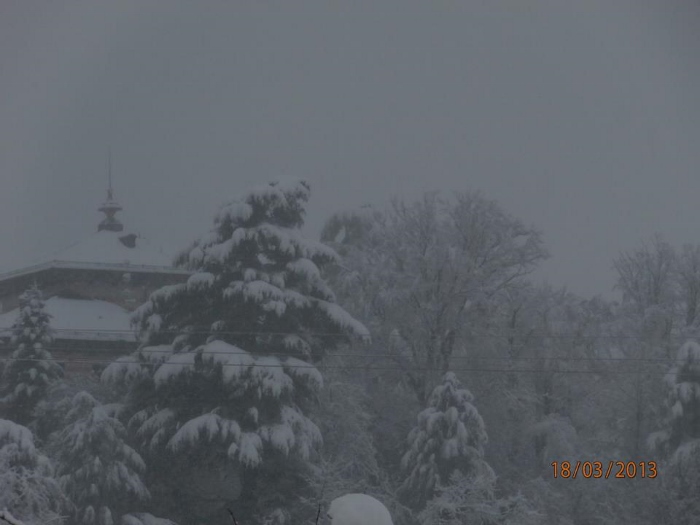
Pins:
<point x="597" y="470"/>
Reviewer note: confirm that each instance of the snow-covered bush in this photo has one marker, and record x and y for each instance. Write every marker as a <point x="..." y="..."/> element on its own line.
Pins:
<point x="30" y="369"/>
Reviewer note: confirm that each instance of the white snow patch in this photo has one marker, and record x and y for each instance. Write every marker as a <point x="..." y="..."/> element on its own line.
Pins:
<point x="235" y="361"/>
<point x="166" y="293"/>
<point x="156" y="421"/>
<point x="279" y="436"/>
<point x="272" y="377"/>
<point x="684" y="453"/>
<point x="237" y="211"/>
<point x="200" y="280"/>
<point x="343" y="319"/>
<point x="304" y="371"/>
<point x="144" y="518"/>
<point x="11" y="432"/>
<point x="249" y="449"/>
<point x="156" y="354"/>
<point x="690" y="351"/>
<point x="305" y="268"/>
<point x="124" y="370"/>
<point x="209" y="426"/>
<point x="175" y="365"/>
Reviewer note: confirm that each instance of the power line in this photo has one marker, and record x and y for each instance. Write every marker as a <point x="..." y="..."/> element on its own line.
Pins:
<point x="569" y="336"/>
<point x="155" y="350"/>
<point x="344" y="367"/>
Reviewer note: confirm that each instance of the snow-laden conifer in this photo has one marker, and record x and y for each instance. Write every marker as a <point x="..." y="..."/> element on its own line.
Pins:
<point x="27" y="487"/>
<point x="450" y="435"/>
<point x="681" y="435"/>
<point x="226" y="366"/>
<point x="679" y="441"/>
<point x="31" y="368"/>
<point x="97" y="469"/>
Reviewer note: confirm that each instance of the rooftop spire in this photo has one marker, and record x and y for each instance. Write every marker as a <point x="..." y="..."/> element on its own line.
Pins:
<point x="109" y="174"/>
<point x="110" y="207"/>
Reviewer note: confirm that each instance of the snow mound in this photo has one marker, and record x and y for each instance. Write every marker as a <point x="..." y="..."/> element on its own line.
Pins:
<point x="144" y="518"/>
<point x="358" y="509"/>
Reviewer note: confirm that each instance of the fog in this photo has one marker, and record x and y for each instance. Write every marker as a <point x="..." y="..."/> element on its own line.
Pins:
<point x="580" y="118"/>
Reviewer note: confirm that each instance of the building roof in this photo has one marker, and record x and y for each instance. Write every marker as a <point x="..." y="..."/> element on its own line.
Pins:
<point x="105" y="250"/>
<point x="81" y="319"/>
<point x="113" y="247"/>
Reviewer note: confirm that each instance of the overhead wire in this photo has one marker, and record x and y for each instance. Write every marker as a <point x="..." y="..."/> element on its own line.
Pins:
<point x="66" y="347"/>
<point x="337" y="334"/>
<point x="350" y="367"/>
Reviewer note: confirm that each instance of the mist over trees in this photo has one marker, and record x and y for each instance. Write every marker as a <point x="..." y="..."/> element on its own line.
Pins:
<point x="408" y="355"/>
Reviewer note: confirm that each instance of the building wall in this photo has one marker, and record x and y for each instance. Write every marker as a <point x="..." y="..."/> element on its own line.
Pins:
<point x="126" y="289"/>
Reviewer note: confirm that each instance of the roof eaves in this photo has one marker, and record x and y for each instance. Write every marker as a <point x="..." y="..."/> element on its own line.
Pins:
<point x="75" y="265"/>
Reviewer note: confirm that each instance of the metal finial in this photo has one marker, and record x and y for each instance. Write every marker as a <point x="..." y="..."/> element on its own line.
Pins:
<point x="109" y="174"/>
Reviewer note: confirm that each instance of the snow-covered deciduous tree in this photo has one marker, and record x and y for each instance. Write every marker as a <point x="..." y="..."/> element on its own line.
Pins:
<point x="96" y="468"/>
<point x="226" y="368"/>
<point x="646" y="275"/>
<point x="30" y="369"/>
<point x="688" y="282"/>
<point x="424" y="269"/>
<point x="27" y="487"/>
<point x="450" y="436"/>
<point x="348" y="460"/>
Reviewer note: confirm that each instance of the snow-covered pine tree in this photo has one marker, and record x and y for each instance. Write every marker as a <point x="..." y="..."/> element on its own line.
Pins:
<point x="450" y="435"/>
<point x="27" y="487"/>
<point x="30" y="369"/>
<point x="682" y="430"/>
<point x="97" y="470"/>
<point x="679" y="441"/>
<point x="225" y="368"/>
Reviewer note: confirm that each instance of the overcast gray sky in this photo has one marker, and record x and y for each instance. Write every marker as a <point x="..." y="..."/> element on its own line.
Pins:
<point x="580" y="117"/>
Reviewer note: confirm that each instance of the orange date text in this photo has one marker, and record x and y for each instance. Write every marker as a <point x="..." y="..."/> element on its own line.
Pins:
<point x="598" y="469"/>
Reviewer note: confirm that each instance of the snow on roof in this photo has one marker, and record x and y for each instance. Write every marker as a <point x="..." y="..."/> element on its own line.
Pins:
<point x="106" y="247"/>
<point x="82" y="319"/>
<point x="104" y="250"/>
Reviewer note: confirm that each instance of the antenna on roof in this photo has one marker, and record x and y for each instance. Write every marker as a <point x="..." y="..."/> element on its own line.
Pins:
<point x="109" y="174"/>
<point x="110" y="207"/>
